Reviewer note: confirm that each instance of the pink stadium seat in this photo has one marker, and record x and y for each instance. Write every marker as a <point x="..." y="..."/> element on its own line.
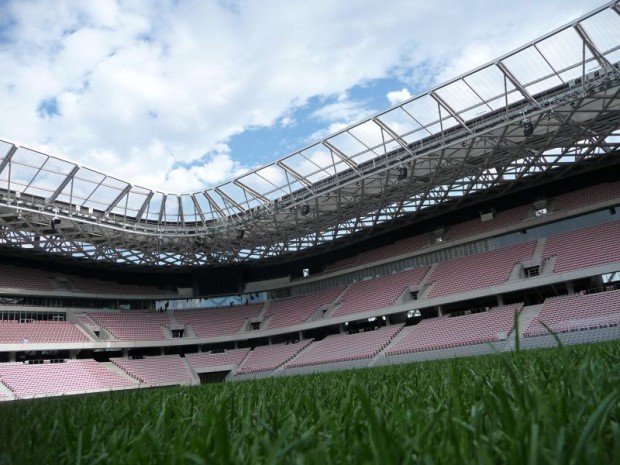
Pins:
<point x="12" y="332"/>
<point x="266" y="358"/>
<point x="588" y="196"/>
<point x="156" y="371"/>
<point x="598" y="245"/>
<point x="346" y="347"/>
<point x="476" y="226"/>
<point x="378" y="293"/>
<point x="221" y="321"/>
<point x="71" y="377"/>
<point x="133" y="326"/>
<point x="296" y="310"/>
<point x="478" y="271"/>
<point x="229" y="357"/>
<point x="446" y="332"/>
<point x="576" y="312"/>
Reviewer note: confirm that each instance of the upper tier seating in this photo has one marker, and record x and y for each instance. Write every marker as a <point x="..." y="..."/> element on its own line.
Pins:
<point x="216" y="359"/>
<point x="221" y="321"/>
<point x="267" y="358"/>
<point x="347" y="262"/>
<point x="12" y="332"/>
<point x="133" y="326"/>
<point x="95" y="286"/>
<point x="584" y="248"/>
<point x="71" y="377"/>
<point x="13" y="277"/>
<point x="588" y="196"/>
<point x="402" y="247"/>
<point x="156" y="371"/>
<point x="575" y="312"/>
<point x="345" y="347"/>
<point x="478" y="271"/>
<point x="476" y="226"/>
<point x="378" y="293"/>
<point x="446" y="332"/>
<point x="296" y="310"/>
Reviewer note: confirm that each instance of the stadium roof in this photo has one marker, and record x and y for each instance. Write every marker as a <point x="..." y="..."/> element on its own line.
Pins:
<point x="550" y="106"/>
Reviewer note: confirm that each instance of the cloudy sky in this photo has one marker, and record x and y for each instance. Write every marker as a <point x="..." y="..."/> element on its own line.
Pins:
<point x="180" y="95"/>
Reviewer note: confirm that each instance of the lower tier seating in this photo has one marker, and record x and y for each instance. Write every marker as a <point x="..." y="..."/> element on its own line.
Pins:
<point x="345" y="347"/>
<point x="446" y="332"/>
<point x="71" y="377"/>
<point x="266" y="358"/>
<point x="229" y="357"/>
<point x="156" y="371"/>
<point x="576" y="312"/>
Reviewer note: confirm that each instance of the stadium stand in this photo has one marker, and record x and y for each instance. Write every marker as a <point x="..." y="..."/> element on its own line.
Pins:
<point x="598" y="245"/>
<point x="156" y="371"/>
<point x="478" y="271"/>
<point x="348" y="262"/>
<point x="477" y="227"/>
<point x="577" y="312"/>
<point x="378" y="293"/>
<point x="267" y="358"/>
<point x="13" y="277"/>
<point x="296" y="310"/>
<point x="446" y="332"/>
<point x="133" y="326"/>
<point x="402" y="247"/>
<point x="345" y="347"/>
<point x="222" y="321"/>
<point x="70" y="377"/>
<point x="95" y="286"/>
<point x="13" y="332"/>
<point x="216" y="359"/>
<point x="585" y="197"/>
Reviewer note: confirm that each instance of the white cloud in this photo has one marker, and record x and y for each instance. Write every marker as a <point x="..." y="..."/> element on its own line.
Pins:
<point x="149" y="92"/>
<point x="398" y="96"/>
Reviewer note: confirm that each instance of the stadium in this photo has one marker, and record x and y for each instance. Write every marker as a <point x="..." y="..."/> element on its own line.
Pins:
<point x="479" y="218"/>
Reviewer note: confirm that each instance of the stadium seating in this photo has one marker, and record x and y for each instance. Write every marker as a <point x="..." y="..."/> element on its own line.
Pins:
<point x="402" y="247"/>
<point x="576" y="312"/>
<point x="95" y="286"/>
<point x="13" y="332"/>
<point x="476" y="226"/>
<point x="446" y="332"/>
<point x="221" y="321"/>
<point x="267" y="358"/>
<point x="13" y="277"/>
<point x="156" y="371"/>
<point x="345" y="347"/>
<point x="133" y="326"/>
<point x="478" y="271"/>
<point x="229" y="357"/>
<point x="598" y="245"/>
<point x="50" y="379"/>
<point x="296" y="310"/>
<point x="584" y="197"/>
<point x="378" y="293"/>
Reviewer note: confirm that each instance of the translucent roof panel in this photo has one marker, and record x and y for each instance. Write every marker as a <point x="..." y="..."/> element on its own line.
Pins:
<point x="604" y="30"/>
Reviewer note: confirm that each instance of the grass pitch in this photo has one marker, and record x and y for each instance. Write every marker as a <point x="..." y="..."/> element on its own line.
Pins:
<point x="557" y="406"/>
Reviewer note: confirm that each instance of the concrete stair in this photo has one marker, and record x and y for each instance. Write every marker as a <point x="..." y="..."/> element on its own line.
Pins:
<point x="110" y="366"/>
<point x="525" y="318"/>
<point x="400" y="335"/>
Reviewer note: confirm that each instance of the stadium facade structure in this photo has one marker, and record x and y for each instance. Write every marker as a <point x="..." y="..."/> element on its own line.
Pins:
<point x="521" y="132"/>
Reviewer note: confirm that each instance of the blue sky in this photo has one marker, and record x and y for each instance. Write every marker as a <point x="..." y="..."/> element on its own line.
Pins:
<point x="183" y="95"/>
